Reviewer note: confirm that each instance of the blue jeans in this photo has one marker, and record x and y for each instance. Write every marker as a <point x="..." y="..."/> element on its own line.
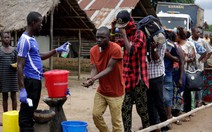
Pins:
<point x="168" y="90"/>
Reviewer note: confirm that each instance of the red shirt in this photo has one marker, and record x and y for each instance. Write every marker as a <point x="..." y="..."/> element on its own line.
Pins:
<point x="135" y="64"/>
<point x="112" y="84"/>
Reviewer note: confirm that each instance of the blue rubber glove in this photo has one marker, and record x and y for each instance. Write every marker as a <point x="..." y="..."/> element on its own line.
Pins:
<point x="68" y="92"/>
<point x="62" y="48"/>
<point x="23" y="95"/>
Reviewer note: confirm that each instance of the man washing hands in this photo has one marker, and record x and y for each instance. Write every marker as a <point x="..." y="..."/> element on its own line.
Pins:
<point x="106" y="61"/>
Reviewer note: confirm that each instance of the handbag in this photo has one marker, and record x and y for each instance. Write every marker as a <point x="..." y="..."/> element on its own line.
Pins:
<point x="194" y="77"/>
<point x="194" y="80"/>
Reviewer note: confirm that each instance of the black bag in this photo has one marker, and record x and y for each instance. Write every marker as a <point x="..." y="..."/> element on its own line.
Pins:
<point x="151" y="27"/>
<point x="194" y="80"/>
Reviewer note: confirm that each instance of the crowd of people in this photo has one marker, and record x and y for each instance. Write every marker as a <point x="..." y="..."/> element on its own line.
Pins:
<point x="157" y="86"/>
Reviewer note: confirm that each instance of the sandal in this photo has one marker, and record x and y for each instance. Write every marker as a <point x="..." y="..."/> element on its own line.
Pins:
<point x="186" y="119"/>
<point x="178" y="122"/>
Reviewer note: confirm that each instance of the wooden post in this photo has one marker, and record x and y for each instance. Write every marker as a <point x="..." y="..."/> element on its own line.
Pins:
<point x="79" y="55"/>
<point x="51" y="38"/>
<point x="15" y="39"/>
<point x="58" y="44"/>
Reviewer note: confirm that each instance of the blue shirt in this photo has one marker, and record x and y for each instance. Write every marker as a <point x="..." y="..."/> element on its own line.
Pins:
<point x="169" y="63"/>
<point x="28" y="48"/>
<point x="198" y="47"/>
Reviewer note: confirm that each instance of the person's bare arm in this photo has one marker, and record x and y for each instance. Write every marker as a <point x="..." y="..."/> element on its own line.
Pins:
<point x="207" y="56"/>
<point x="89" y="80"/>
<point x="126" y="41"/>
<point x="191" y="56"/>
<point x="93" y="71"/>
<point x="20" y="66"/>
<point x="181" y="64"/>
<point x="154" y="52"/>
<point x="59" y="49"/>
<point x="171" y="57"/>
<point x="202" y="57"/>
<point x="108" y="69"/>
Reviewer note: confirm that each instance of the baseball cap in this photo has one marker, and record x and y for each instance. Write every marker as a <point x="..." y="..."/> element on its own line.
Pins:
<point x="122" y="19"/>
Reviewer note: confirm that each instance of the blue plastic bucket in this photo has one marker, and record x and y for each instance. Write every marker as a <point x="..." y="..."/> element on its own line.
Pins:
<point x="74" y="126"/>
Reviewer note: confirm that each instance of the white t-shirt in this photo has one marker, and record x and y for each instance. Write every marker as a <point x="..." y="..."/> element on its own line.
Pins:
<point x="188" y="48"/>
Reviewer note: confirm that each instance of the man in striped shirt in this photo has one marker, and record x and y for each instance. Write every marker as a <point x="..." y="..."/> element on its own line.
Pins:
<point x="30" y="70"/>
<point x="155" y="92"/>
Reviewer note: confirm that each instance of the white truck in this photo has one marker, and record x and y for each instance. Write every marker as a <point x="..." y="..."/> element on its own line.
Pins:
<point x="172" y="15"/>
<point x="172" y="20"/>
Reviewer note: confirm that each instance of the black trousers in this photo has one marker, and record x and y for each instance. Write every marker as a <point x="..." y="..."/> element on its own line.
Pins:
<point x="187" y="100"/>
<point x="33" y="88"/>
<point x="155" y="101"/>
<point x="138" y="97"/>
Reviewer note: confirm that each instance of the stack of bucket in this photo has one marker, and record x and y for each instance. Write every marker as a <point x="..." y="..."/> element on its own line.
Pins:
<point x="56" y="83"/>
<point x="10" y="121"/>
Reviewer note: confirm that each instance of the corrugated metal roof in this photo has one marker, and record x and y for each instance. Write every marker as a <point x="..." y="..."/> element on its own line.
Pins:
<point x="84" y="3"/>
<point x="103" y="12"/>
<point x="129" y="3"/>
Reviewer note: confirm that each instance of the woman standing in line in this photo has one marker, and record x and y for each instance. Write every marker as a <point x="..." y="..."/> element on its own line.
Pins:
<point x="8" y="79"/>
<point x="189" y="53"/>
<point x="207" y="89"/>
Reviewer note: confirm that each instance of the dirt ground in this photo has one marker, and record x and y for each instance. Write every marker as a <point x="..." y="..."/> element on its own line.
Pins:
<point x="79" y="107"/>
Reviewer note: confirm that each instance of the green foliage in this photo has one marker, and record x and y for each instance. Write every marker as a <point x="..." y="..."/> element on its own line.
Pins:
<point x="183" y="1"/>
<point x="179" y="1"/>
<point x="209" y="28"/>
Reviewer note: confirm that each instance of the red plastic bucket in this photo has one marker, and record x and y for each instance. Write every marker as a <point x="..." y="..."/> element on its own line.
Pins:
<point x="56" y="83"/>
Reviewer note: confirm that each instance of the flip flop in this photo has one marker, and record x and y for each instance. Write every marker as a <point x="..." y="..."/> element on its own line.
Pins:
<point x="178" y="122"/>
<point x="186" y="119"/>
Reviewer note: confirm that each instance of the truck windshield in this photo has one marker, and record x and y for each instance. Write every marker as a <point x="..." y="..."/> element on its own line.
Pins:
<point x="171" y="23"/>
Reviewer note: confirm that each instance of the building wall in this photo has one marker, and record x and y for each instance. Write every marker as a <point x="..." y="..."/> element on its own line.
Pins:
<point x="43" y="42"/>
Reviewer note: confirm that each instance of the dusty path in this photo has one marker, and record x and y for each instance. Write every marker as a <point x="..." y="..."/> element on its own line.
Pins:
<point x="79" y="107"/>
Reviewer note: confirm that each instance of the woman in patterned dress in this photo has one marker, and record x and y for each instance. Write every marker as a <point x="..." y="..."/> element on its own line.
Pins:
<point x="189" y="53"/>
<point x="207" y="89"/>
